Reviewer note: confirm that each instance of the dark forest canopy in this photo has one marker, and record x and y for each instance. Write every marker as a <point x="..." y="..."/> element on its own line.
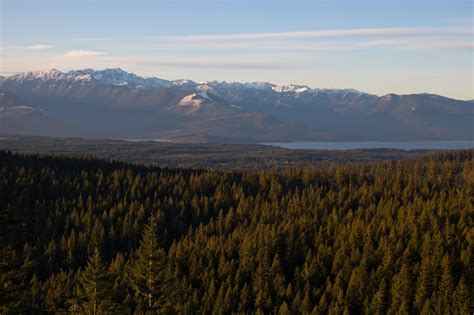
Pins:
<point x="196" y="155"/>
<point x="91" y="236"/>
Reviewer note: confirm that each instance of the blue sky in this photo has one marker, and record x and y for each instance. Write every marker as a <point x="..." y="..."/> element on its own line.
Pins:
<point x="378" y="46"/>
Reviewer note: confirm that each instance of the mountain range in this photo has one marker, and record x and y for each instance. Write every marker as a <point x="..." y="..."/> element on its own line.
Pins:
<point x="113" y="103"/>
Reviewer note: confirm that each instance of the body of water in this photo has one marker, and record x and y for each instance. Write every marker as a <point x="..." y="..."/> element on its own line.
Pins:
<point x="403" y="145"/>
<point x="147" y="140"/>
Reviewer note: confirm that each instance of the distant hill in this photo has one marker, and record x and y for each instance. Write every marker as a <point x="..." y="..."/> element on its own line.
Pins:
<point x="21" y="117"/>
<point x="113" y="103"/>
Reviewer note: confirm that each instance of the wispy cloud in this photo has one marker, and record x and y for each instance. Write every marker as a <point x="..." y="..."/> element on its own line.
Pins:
<point x="362" y="32"/>
<point x="412" y="43"/>
<point x="393" y="44"/>
<point x="409" y="38"/>
<point x="32" y="47"/>
<point x="40" y="47"/>
<point x="83" y="53"/>
<point x="459" y="30"/>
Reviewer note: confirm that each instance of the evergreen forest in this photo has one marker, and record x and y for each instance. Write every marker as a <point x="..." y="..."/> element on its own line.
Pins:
<point x="90" y="236"/>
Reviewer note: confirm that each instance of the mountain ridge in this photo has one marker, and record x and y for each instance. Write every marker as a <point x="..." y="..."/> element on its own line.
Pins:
<point x="118" y="104"/>
<point x="117" y="76"/>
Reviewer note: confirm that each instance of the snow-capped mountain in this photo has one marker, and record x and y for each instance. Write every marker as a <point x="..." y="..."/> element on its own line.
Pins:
<point x="115" y="103"/>
<point x="107" y="76"/>
<point x="46" y="75"/>
<point x="120" y="77"/>
<point x="117" y="77"/>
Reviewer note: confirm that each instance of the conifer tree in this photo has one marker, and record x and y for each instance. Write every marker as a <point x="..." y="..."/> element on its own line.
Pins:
<point x="463" y="300"/>
<point x="11" y="288"/>
<point x="93" y="290"/>
<point x="379" y="300"/>
<point x="401" y="291"/>
<point x="147" y="268"/>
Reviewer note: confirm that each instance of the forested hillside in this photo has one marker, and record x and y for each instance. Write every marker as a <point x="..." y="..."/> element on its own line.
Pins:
<point x="90" y="236"/>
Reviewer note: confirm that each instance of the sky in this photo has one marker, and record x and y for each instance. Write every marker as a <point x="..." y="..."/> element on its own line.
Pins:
<point x="375" y="46"/>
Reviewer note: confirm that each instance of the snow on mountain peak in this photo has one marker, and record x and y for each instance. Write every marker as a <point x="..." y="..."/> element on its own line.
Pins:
<point x="44" y="75"/>
<point x="259" y="85"/>
<point x="205" y="88"/>
<point x="291" y="88"/>
<point x="184" y="83"/>
<point x="195" y="99"/>
<point x="239" y="85"/>
<point x="51" y="73"/>
<point x="119" y="77"/>
<point x="83" y="78"/>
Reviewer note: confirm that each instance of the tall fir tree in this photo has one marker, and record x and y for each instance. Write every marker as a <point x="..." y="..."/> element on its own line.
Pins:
<point x="93" y="289"/>
<point x="147" y="268"/>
